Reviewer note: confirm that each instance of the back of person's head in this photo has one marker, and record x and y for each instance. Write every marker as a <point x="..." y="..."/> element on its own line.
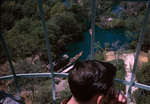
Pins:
<point x="90" y="78"/>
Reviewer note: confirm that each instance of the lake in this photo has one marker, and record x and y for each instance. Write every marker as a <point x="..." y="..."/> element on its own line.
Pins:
<point x="101" y="35"/>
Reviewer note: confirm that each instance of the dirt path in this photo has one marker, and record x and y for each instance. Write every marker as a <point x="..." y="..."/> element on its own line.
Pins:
<point x="129" y="62"/>
<point x="60" y="87"/>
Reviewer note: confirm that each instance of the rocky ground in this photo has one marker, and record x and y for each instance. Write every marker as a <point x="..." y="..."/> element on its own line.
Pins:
<point x="129" y="62"/>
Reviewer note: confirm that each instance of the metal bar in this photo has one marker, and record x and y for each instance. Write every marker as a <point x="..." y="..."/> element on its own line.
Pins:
<point x="48" y="47"/>
<point x="142" y="1"/>
<point x="31" y="75"/>
<point x="11" y="65"/>
<point x="93" y="29"/>
<point x="141" y="86"/>
<point x="120" y="81"/>
<point x="139" y="48"/>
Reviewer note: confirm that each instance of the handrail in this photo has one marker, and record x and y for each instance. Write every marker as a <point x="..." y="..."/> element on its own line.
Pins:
<point x="65" y="75"/>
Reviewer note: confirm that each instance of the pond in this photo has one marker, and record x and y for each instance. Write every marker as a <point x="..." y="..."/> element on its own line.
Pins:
<point x="101" y="35"/>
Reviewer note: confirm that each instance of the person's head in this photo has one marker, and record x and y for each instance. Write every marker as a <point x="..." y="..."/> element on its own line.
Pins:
<point x="91" y="78"/>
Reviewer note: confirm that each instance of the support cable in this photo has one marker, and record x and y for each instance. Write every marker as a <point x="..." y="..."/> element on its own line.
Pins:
<point x="139" y="48"/>
<point x="48" y="48"/>
<point x="11" y="65"/>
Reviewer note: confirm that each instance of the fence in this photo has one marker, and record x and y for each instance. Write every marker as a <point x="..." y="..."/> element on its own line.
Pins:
<point x="130" y="83"/>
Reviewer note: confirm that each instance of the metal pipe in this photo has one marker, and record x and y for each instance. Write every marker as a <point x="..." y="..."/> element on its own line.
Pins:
<point x="48" y="48"/>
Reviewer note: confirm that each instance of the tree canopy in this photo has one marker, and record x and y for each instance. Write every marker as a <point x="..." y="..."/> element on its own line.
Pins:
<point x="23" y="31"/>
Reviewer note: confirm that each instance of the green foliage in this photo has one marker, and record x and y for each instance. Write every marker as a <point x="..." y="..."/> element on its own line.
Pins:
<point x="40" y="89"/>
<point x="80" y="11"/>
<point x="100" y="52"/>
<point x="30" y="9"/>
<point x="107" y="45"/>
<point x="134" y="37"/>
<point x="59" y="7"/>
<point x="70" y="27"/>
<point x="130" y="35"/>
<point x="44" y="94"/>
<point x="120" y="74"/>
<point x="143" y="76"/>
<point x="22" y="41"/>
<point x="141" y="96"/>
<point x="97" y="46"/>
<point x="46" y="10"/>
<point x="119" y="23"/>
<point x="146" y="41"/>
<point x="134" y="23"/>
<point x="115" y="23"/>
<point x="27" y="34"/>
<point x="100" y="55"/>
<point x="133" y="45"/>
<point x="10" y="12"/>
<point x="105" y="7"/>
<point x="134" y="9"/>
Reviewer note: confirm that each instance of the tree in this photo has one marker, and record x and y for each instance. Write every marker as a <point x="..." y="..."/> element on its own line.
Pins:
<point x="100" y="55"/>
<point x="22" y="40"/>
<point x="44" y="94"/>
<point x="59" y="7"/>
<point x="71" y="29"/>
<point x="30" y="9"/>
<point x="146" y="40"/>
<point x="133" y="9"/>
<point x="28" y="39"/>
<point x="81" y="12"/>
<point x="135" y="24"/>
<point x="107" y="45"/>
<point x="10" y="12"/>
<point x="97" y="46"/>
<point x="100" y="52"/>
<point x="118" y="49"/>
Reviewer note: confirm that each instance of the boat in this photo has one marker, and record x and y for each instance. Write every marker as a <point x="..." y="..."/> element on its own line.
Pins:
<point x="76" y="57"/>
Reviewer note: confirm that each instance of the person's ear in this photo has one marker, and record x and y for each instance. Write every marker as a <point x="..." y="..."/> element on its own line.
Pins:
<point x="100" y="99"/>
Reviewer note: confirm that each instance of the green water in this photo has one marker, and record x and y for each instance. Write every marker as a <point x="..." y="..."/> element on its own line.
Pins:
<point x="101" y="35"/>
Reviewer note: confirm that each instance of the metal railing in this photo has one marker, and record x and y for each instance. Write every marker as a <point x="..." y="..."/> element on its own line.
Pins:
<point x="131" y="83"/>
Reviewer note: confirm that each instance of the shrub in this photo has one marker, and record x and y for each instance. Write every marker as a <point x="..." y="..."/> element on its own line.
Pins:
<point x="44" y="93"/>
<point x="143" y="76"/>
<point x="120" y="74"/>
<point x="100" y="55"/>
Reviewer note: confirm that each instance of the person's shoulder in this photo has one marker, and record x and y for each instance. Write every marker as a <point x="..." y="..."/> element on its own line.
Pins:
<point x="65" y="101"/>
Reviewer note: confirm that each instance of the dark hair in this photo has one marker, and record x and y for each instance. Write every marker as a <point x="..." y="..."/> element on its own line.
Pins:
<point x="90" y="78"/>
